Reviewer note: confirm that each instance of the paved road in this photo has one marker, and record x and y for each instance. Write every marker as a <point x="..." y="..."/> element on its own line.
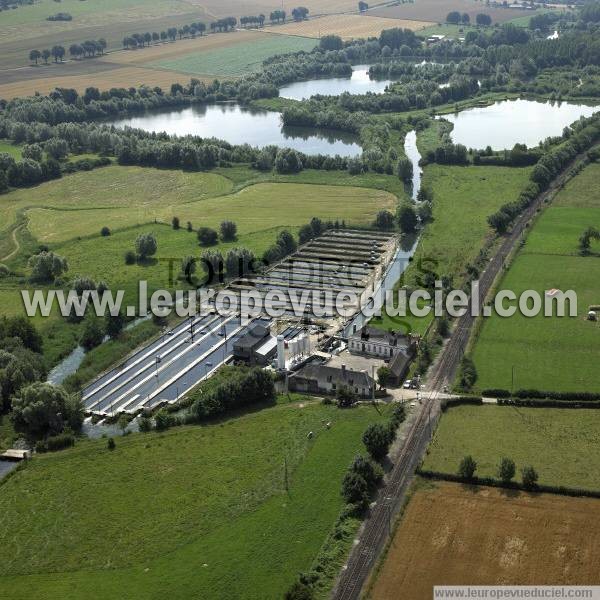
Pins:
<point x="377" y="526"/>
<point x="168" y="367"/>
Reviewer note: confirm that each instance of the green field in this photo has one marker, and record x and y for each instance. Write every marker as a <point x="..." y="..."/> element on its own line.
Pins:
<point x="558" y="443"/>
<point x="549" y="353"/>
<point x="14" y="151"/>
<point x="237" y="60"/>
<point x="194" y="512"/>
<point x="67" y="214"/>
<point x="463" y="199"/>
<point x="30" y="20"/>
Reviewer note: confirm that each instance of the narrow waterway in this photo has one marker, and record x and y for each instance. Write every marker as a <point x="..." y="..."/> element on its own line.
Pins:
<point x="404" y="253"/>
<point x="413" y="154"/>
<point x="69" y="365"/>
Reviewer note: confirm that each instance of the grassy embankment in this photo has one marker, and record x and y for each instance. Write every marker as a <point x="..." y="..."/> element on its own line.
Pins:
<point x="197" y="511"/>
<point x="549" y="353"/>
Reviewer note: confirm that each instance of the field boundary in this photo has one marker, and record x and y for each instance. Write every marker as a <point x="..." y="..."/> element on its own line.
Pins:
<point x="513" y="485"/>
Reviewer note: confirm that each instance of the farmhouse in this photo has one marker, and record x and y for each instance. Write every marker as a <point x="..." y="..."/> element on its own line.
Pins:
<point x="378" y="343"/>
<point x="321" y="378"/>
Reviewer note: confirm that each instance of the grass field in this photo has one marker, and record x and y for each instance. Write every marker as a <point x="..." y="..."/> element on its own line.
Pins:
<point x="549" y="353"/>
<point x="458" y="535"/>
<point x="79" y="205"/>
<point x="557" y="442"/>
<point x="237" y="60"/>
<point x="196" y="511"/>
<point x="11" y="149"/>
<point x="347" y="26"/>
<point x="463" y="199"/>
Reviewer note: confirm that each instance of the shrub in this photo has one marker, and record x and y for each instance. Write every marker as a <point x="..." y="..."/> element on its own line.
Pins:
<point x="506" y="470"/>
<point x="129" y="257"/>
<point x="530" y="477"/>
<point x="56" y="442"/>
<point x="467" y="467"/>
<point x="163" y="420"/>
<point x="145" y="424"/>
<point x="345" y="396"/>
<point x="399" y="415"/>
<point x="207" y="236"/>
<point x="105" y="232"/>
<point x="110" y="444"/>
<point x="175" y="223"/>
<point x="299" y="591"/>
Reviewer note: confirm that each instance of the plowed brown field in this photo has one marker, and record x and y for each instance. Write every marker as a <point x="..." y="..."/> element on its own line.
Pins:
<point x="452" y="534"/>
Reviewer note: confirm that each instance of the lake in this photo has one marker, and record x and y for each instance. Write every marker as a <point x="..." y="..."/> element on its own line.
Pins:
<point x="508" y="122"/>
<point x="238" y="124"/>
<point x="359" y="83"/>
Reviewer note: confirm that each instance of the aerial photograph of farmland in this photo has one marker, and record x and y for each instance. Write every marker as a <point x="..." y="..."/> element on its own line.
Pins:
<point x="299" y="299"/>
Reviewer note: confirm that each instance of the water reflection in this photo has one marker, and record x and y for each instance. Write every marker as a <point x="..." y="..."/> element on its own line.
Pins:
<point x="509" y="122"/>
<point x="238" y="124"/>
<point x="359" y="83"/>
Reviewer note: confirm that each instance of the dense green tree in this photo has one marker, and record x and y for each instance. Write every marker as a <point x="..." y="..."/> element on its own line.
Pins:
<point x="228" y="231"/>
<point x="188" y="268"/>
<point x="384" y="220"/>
<point x="407" y="218"/>
<point x="288" y="161"/>
<point x="345" y="396"/>
<point x="114" y="325"/>
<point x="34" y="56"/>
<point x="92" y="334"/>
<point x="468" y="373"/>
<point x="47" y="266"/>
<point x="453" y="17"/>
<point x="41" y="409"/>
<point x="377" y="439"/>
<point x="239" y="262"/>
<point x="355" y="489"/>
<point x="146" y="245"/>
<point x="331" y="42"/>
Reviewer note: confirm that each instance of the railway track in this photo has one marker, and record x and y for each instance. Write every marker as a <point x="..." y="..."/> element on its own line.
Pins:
<point x="378" y="525"/>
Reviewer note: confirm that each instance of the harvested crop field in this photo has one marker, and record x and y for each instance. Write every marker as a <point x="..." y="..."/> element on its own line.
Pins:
<point x="236" y="60"/>
<point x="348" y="26"/>
<point x="436" y="11"/>
<point x="452" y="534"/>
<point x="223" y="8"/>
